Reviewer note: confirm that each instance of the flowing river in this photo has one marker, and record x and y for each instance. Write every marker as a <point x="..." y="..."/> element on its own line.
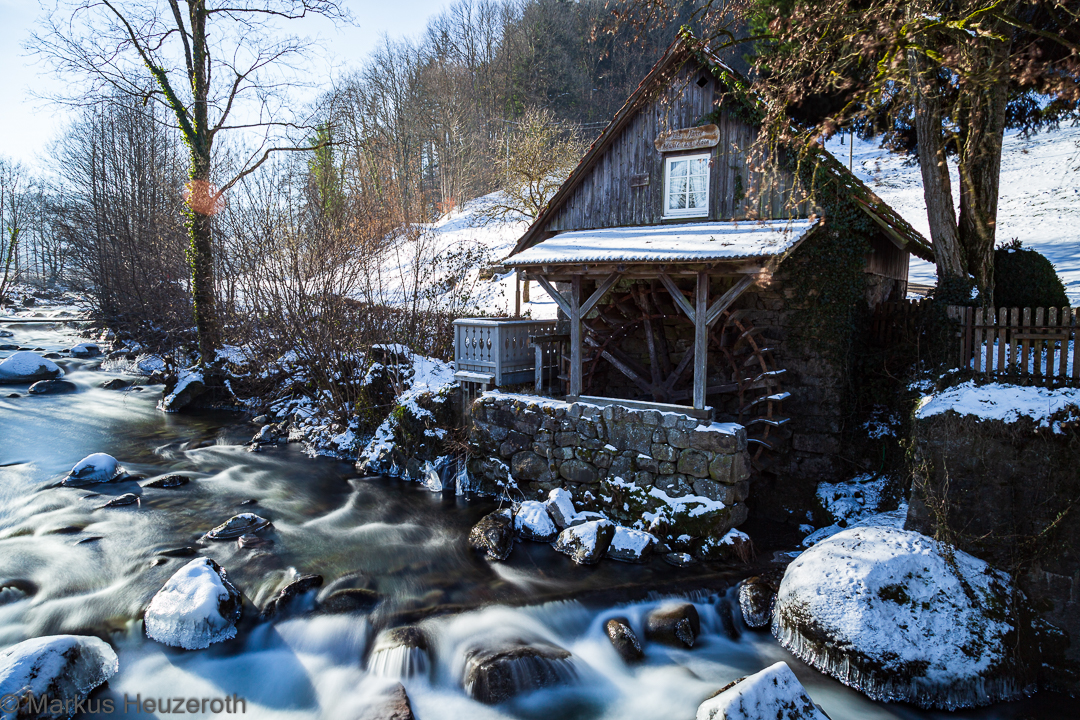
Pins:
<point x="73" y="567"/>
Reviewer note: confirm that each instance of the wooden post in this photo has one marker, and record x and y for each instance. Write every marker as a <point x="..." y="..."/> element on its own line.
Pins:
<point x="575" y="336"/>
<point x="525" y="295"/>
<point x="539" y="367"/>
<point x="701" y="339"/>
<point x="517" y="293"/>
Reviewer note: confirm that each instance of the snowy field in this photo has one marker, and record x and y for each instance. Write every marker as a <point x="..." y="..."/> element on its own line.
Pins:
<point x="1039" y="201"/>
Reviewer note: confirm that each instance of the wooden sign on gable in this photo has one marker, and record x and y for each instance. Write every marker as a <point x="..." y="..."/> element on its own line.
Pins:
<point x="695" y="138"/>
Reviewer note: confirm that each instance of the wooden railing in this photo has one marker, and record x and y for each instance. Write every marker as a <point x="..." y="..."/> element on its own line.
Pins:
<point x="497" y="351"/>
<point x="1033" y="343"/>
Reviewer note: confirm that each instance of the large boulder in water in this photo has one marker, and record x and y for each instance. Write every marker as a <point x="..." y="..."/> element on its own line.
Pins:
<point x="182" y="390"/>
<point x="629" y="545"/>
<point x="497" y="673"/>
<point x="28" y="367"/>
<point x="52" y="387"/>
<point x="96" y="468"/>
<point x="676" y="624"/>
<point x="57" y="667"/>
<point x="901" y="617"/>
<point x="197" y="607"/>
<point x="773" y="693"/>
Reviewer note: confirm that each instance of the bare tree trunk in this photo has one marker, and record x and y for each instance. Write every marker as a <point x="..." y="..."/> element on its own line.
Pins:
<point x="937" y="187"/>
<point x="980" y="169"/>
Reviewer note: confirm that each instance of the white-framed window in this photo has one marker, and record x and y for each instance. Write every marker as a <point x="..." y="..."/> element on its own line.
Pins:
<point x="686" y="186"/>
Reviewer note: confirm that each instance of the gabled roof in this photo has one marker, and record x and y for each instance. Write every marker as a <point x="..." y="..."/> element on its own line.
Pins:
<point x="684" y="48"/>
<point x="685" y="242"/>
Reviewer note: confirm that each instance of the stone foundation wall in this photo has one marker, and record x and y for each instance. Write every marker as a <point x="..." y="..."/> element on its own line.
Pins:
<point x="667" y="473"/>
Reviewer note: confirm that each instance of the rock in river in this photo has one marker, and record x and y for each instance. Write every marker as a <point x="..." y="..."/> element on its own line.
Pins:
<point x="197" y="607"/>
<point x="391" y="704"/>
<point x="624" y="640"/>
<point x="532" y="522"/>
<point x="57" y="667"/>
<point x="236" y="526"/>
<point x="901" y="617"/>
<point x="400" y="652"/>
<point x="586" y="543"/>
<point x="773" y="693"/>
<point x="167" y="481"/>
<point x="280" y="602"/>
<point x="493" y="535"/>
<point x="52" y="387"/>
<point x="560" y="505"/>
<point x="756" y="597"/>
<point x="676" y="624"/>
<point x="629" y="545"/>
<point x="96" y="468"/>
<point x="115" y="384"/>
<point x="86" y="350"/>
<point x="120" y="501"/>
<point x="497" y="673"/>
<point x="28" y="367"/>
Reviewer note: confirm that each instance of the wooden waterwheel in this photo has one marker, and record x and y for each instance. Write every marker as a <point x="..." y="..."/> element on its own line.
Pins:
<point x="744" y="379"/>
<point x="754" y="385"/>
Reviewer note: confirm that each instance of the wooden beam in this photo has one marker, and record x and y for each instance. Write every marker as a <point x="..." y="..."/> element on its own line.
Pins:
<point x="701" y="339"/>
<point x="677" y="296"/>
<point x="555" y="294"/>
<point x="608" y="283"/>
<point x="625" y="369"/>
<point x="727" y="299"/>
<point x="575" y="335"/>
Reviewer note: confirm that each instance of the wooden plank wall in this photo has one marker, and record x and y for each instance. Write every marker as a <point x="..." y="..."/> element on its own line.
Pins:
<point x="605" y="197"/>
<point x="1037" y="344"/>
<point x="886" y="259"/>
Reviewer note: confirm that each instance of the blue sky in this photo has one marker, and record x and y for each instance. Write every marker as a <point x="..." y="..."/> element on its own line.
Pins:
<point x="28" y="124"/>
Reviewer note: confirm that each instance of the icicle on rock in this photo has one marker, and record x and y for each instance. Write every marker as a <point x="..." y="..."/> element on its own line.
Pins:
<point x="901" y="618"/>
<point x="532" y="522"/>
<point x="400" y="652"/>
<point x="774" y="692"/>
<point x="197" y="607"/>
<point x="238" y="525"/>
<point x="429" y="478"/>
<point x="497" y="673"/>
<point x="96" y="468"/>
<point x="57" y="667"/>
<point x="756" y="598"/>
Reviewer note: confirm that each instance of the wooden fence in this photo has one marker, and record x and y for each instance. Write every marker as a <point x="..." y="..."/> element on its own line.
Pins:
<point x="1034" y="343"/>
<point x="899" y="322"/>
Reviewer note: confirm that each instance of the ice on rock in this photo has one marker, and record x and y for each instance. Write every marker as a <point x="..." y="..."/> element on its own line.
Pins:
<point x="238" y="525"/>
<point x="60" y="667"/>
<point x="28" y="367"/>
<point x="532" y="522"/>
<point x="96" y="468"/>
<point x="774" y="692"/>
<point x="197" y="607"/>
<point x="901" y="617"/>
<point x="430" y="478"/>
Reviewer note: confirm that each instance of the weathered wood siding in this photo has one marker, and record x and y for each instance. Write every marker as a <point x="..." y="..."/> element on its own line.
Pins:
<point x="607" y="196"/>
<point x="886" y="259"/>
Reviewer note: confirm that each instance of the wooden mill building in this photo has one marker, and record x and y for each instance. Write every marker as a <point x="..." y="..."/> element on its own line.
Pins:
<point x="688" y="274"/>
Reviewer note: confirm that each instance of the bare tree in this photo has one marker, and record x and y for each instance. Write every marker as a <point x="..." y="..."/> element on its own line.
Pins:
<point x="217" y="65"/>
<point x="13" y="211"/>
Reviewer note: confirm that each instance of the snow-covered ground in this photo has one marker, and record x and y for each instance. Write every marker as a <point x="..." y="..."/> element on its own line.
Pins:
<point x="1039" y="201"/>
<point x="1000" y="402"/>
<point x="456" y="246"/>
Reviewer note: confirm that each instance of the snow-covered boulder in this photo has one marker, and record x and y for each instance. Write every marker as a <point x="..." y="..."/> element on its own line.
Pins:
<point x="197" y="607"/>
<point x="532" y="522"/>
<point x="28" y="367"/>
<point x="182" y="390"/>
<point x="586" y="543"/>
<point x="629" y="545"/>
<point x="86" y="350"/>
<point x="901" y="617"/>
<point x="560" y="505"/>
<point x="773" y="693"/>
<point x="96" y="468"/>
<point x="238" y="525"/>
<point x="56" y="667"/>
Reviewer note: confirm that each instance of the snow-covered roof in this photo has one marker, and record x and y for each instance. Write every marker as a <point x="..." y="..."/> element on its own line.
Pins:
<point x="688" y="242"/>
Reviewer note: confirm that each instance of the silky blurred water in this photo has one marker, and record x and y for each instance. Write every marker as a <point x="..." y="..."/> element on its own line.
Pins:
<point x="94" y="571"/>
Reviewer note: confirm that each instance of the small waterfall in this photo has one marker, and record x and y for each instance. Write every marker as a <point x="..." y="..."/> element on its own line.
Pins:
<point x="399" y="662"/>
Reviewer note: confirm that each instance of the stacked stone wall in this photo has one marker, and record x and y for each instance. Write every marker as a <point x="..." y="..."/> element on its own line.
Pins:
<point x="681" y="479"/>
